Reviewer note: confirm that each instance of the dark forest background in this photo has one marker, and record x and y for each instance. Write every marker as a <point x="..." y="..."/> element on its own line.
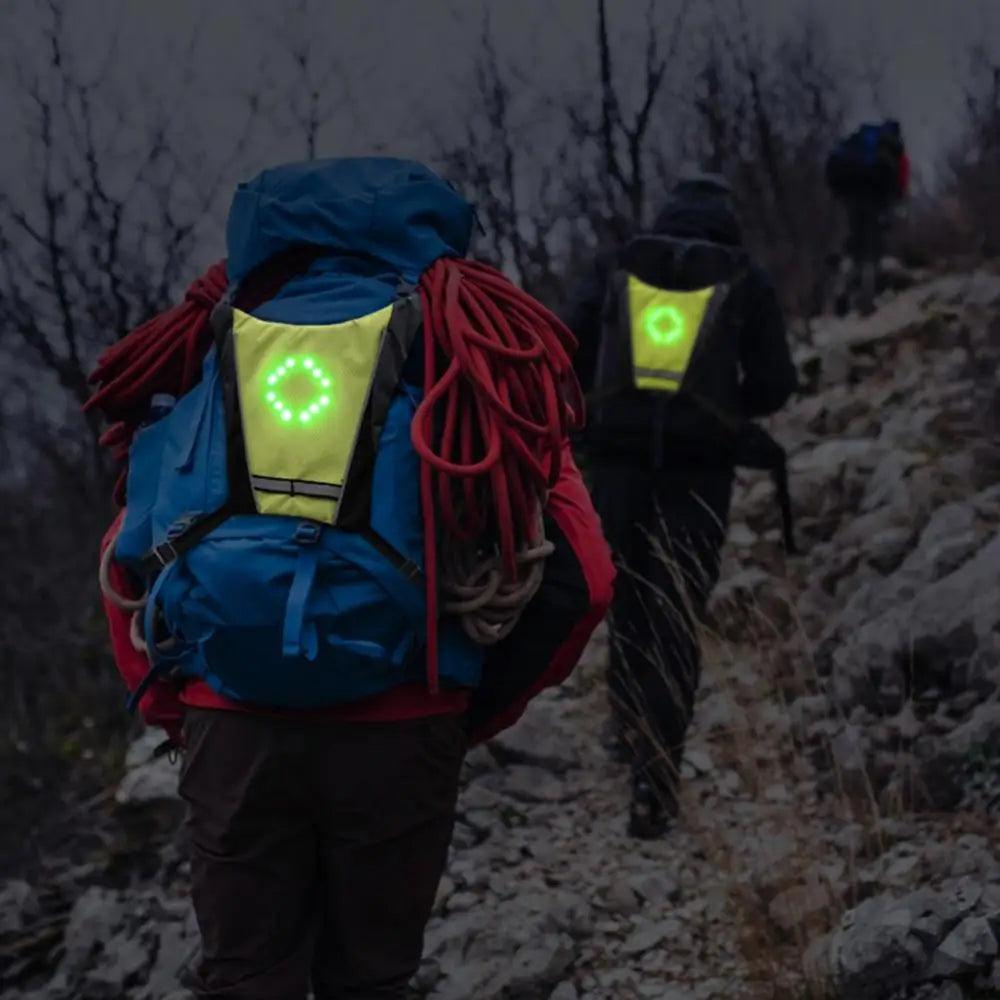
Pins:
<point x="120" y="197"/>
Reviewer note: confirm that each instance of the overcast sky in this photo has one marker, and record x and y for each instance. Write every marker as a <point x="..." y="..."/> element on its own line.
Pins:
<point x="402" y="65"/>
<point x="422" y="48"/>
<point x="394" y="71"/>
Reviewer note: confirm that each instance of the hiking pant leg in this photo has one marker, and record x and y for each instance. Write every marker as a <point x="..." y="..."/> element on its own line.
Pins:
<point x="385" y="795"/>
<point x="658" y="645"/>
<point x="641" y="698"/>
<point x="694" y="515"/>
<point x="855" y="243"/>
<point x="872" y="232"/>
<point x="253" y="847"/>
<point x="665" y="610"/>
<point x="622" y="496"/>
<point x="651" y="631"/>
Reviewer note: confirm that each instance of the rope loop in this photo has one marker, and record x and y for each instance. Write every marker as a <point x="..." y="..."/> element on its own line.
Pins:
<point x="120" y="601"/>
<point x="500" y="399"/>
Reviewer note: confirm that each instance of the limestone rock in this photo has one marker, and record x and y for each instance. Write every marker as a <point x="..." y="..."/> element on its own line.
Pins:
<point x="148" y="779"/>
<point x="970" y="947"/>
<point x="18" y="905"/>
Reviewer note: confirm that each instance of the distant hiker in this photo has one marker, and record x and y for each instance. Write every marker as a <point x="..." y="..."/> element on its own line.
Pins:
<point x="353" y="538"/>
<point x="682" y="343"/>
<point x="869" y="171"/>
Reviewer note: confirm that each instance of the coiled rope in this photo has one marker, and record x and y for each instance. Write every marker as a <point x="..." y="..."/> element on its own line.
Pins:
<point x="489" y="432"/>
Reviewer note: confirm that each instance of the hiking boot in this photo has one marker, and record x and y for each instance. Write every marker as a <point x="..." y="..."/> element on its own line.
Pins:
<point x="648" y="819"/>
<point x="614" y="742"/>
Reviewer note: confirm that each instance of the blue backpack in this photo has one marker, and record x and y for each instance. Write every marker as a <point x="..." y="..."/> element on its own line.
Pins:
<point x="866" y="162"/>
<point x="274" y="510"/>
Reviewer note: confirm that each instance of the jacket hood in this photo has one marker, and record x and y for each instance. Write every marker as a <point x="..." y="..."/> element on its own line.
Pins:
<point x="396" y="212"/>
<point x="700" y="214"/>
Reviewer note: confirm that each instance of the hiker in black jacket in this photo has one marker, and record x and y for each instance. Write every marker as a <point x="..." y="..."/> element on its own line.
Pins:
<point x="663" y="474"/>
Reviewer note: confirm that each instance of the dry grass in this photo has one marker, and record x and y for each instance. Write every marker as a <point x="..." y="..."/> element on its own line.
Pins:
<point x="793" y="841"/>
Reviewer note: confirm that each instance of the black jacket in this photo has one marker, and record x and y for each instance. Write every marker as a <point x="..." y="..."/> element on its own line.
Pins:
<point x="767" y="376"/>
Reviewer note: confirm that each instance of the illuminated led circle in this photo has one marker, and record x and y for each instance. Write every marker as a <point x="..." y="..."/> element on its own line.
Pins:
<point x="286" y="412"/>
<point x="664" y="325"/>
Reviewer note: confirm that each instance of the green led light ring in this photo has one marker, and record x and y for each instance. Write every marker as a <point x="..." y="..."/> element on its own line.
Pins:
<point x="664" y="325"/>
<point x="293" y="365"/>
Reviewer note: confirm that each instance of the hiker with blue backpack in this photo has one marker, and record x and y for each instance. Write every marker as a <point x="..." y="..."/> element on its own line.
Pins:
<point x="352" y="539"/>
<point x="869" y="172"/>
<point x="682" y="347"/>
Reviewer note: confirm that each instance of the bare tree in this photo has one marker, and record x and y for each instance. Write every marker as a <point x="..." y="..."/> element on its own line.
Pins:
<point x="305" y="86"/>
<point x="104" y="226"/>
<point x="766" y="114"/>
<point x="974" y="165"/>
<point x="625" y="135"/>
<point x="521" y="171"/>
<point x="571" y="175"/>
<point x="763" y="113"/>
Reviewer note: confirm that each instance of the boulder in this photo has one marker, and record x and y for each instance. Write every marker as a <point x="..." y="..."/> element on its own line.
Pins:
<point x="875" y="951"/>
<point x="535" y="740"/>
<point x="887" y="484"/>
<point x="516" y="947"/>
<point x="901" y="634"/>
<point x="148" y="779"/>
<point x="18" y="906"/>
<point x="892" y="947"/>
<point x="651" y="935"/>
<point x="971" y="947"/>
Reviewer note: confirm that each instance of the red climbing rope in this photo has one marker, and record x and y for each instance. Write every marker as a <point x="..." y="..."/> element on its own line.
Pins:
<point x="164" y="354"/>
<point x="490" y="428"/>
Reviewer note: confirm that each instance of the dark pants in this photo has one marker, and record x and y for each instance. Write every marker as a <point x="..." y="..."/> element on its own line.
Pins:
<point x="864" y="228"/>
<point x="667" y="531"/>
<point x="317" y="848"/>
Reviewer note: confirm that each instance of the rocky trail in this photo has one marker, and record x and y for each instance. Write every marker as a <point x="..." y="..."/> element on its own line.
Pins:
<point x="843" y="778"/>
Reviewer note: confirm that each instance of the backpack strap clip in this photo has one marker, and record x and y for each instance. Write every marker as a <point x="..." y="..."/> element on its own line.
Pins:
<point x="307" y="533"/>
<point x="164" y="554"/>
<point x="184" y="534"/>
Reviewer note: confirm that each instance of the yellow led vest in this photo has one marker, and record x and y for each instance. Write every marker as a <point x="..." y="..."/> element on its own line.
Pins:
<point x="664" y="328"/>
<point x="302" y="392"/>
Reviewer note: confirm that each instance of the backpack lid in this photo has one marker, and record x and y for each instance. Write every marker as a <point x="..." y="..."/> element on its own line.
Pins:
<point x="681" y="264"/>
<point x="398" y="212"/>
<point x="873" y="135"/>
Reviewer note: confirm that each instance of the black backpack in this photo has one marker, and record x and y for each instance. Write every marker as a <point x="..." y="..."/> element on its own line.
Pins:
<point x="667" y="374"/>
<point x="666" y="342"/>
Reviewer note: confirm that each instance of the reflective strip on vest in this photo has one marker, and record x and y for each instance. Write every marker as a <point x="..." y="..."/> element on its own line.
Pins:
<point x="303" y="391"/>
<point x="297" y="487"/>
<point x="664" y="330"/>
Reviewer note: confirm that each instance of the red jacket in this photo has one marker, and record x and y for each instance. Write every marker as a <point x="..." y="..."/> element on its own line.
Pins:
<point x="579" y="595"/>
<point x="904" y="175"/>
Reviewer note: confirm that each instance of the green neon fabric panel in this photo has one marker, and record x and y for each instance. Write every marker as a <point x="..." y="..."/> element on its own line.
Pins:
<point x="665" y="326"/>
<point x="303" y="392"/>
